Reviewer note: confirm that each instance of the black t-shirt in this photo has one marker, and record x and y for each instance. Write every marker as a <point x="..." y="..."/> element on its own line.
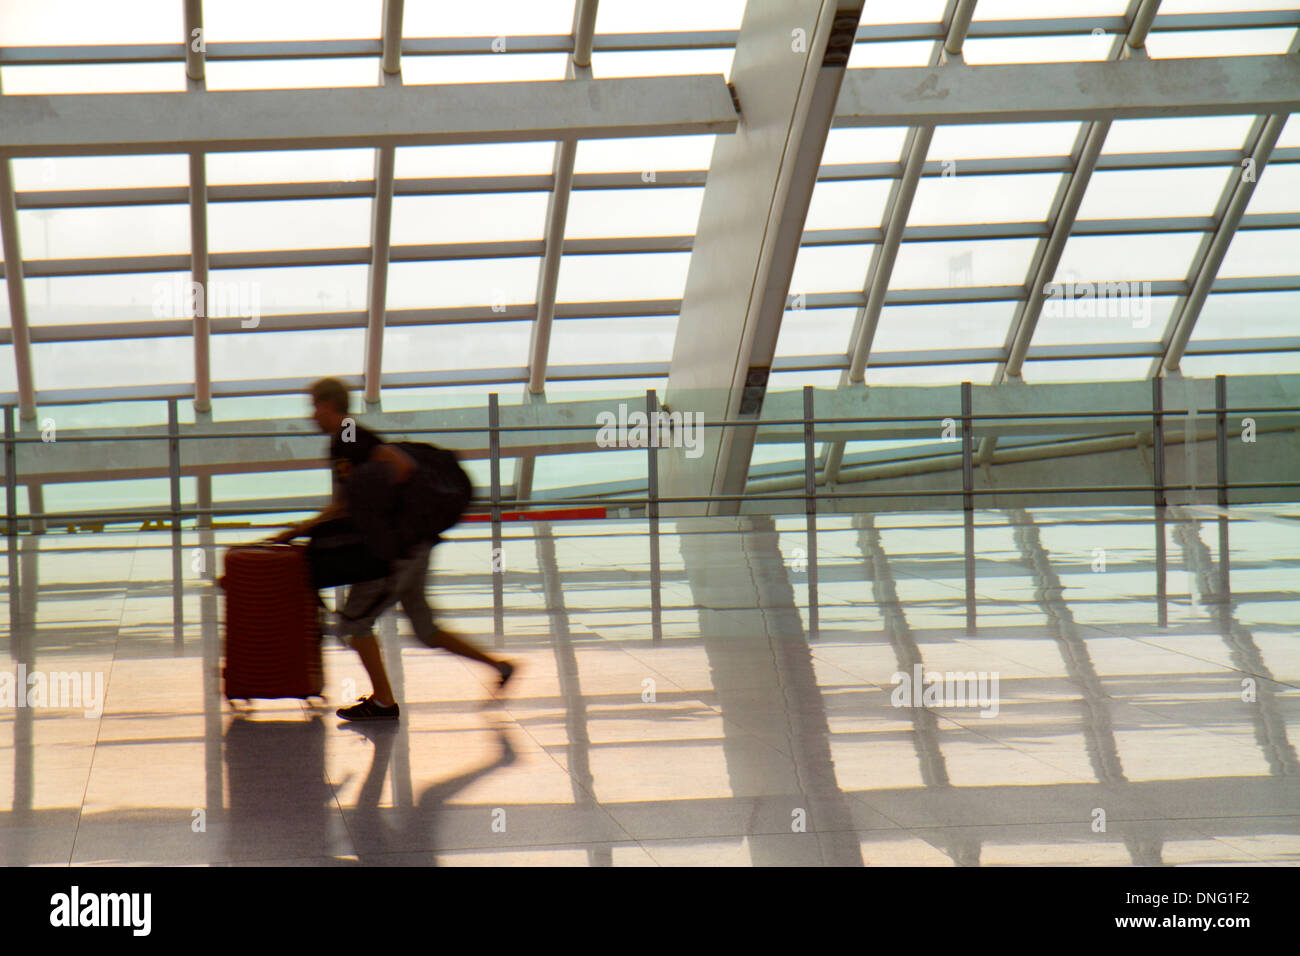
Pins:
<point x="347" y="455"/>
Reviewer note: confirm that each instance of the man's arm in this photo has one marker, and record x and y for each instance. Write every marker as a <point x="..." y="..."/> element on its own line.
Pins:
<point x="402" y="465"/>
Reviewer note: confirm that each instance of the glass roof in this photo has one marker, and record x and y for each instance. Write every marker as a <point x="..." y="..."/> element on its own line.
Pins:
<point x="106" y="240"/>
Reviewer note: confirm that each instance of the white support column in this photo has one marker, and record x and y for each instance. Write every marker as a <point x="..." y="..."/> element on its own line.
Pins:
<point x="195" y="72"/>
<point x="789" y="63"/>
<point x="557" y="214"/>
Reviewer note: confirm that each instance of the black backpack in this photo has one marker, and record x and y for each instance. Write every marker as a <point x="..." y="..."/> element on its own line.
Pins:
<point x="392" y="518"/>
<point x="436" y="496"/>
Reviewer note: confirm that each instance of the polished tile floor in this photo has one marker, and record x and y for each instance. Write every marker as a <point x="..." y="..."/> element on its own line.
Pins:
<point x="1138" y="682"/>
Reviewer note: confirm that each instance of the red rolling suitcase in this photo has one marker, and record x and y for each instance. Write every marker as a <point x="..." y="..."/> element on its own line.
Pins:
<point x="273" y="624"/>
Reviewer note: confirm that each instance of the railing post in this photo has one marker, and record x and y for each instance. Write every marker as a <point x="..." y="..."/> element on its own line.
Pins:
<point x="11" y="475"/>
<point x="174" y="461"/>
<point x="1221" y="435"/>
<point x="810" y="503"/>
<point x="1158" y="438"/>
<point x="967" y="451"/>
<point x="494" y="465"/>
<point x="652" y="512"/>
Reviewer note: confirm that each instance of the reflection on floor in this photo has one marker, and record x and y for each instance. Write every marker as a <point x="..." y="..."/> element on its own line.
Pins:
<point x="1109" y="686"/>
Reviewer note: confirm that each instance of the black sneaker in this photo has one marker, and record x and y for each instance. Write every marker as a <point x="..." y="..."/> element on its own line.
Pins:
<point x="504" y="672"/>
<point x="367" y="708"/>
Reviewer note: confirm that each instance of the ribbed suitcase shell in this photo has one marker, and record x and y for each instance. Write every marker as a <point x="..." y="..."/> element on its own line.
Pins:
<point x="273" y="624"/>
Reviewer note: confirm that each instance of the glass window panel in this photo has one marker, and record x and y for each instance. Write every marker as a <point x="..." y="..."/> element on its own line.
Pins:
<point x="815" y="332"/>
<point x="996" y="140"/>
<point x="291" y="20"/>
<point x="298" y="224"/>
<point x="1089" y="370"/>
<point x="623" y="277"/>
<point x="553" y="472"/>
<point x="1248" y="315"/>
<point x="451" y="396"/>
<point x="477" y="159"/>
<point x="115" y="414"/>
<point x="1153" y="193"/>
<point x="292" y="166"/>
<point x="1278" y="190"/>
<point x="1116" y="258"/>
<point x="830" y="269"/>
<point x="297" y="289"/>
<point x="1261" y="363"/>
<point x="291" y="74"/>
<point x="442" y="348"/>
<point x="467" y="218"/>
<point x="1102" y="314"/>
<point x="160" y="361"/>
<point x="667" y="16"/>
<point x="903" y="11"/>
<point x="848" y="204"/>
<point x="260" y="407"/>
<point x="866" y="145"/>
<point x="103" y="232"/>
<point x="1177" y="134"/>
<point x="633" y="212"/>
<point x="793" y="381"/>
<point x="504" y="17"/>
<point x="907" y="328"/>
<point x="504" y="283"/>
<point x="1263" y="252"/>
<point x="86" y="22"/>
<point x="486" y="68"/>
<point x="264" y="354"/>
<point x="661" y="63"/>
<point x="1056" y="49"/>
<point x="621" y="389"/>
<point x="123" y="297"/>
<point x="976" y="374"/>
<point x="1057" y="9"/>
<point x="942" y="265"/>
<point x="270" y="484"/>
<point x="95" y="78"/>
<point x="100" y="172"/>
<point x="1219" y="6"/>
<point x="1290" y="133"/>
<point x="892" y="53"/>
<point x="947" y="200"/>
<point x="8" y="371"/>
<point x="1219" y="43"/>
<point x="643" y="154"/>
<point x="623" y="340"/>
<point x="4" y="310"/>
<point x="102" y="495"/>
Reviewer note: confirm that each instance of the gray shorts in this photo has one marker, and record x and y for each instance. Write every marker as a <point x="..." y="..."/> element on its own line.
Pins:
<point x="367" y="600"/>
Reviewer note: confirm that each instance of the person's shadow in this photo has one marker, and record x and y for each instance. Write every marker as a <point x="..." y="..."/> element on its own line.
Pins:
<point x="379" y="836"/>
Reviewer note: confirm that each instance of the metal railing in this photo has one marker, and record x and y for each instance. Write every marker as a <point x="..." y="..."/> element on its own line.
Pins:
<point x="495" y="503"/>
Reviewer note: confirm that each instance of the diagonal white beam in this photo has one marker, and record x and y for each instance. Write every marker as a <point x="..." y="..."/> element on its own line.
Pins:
<point x="195" y="71"/>
<point x="18" y="328"/>
<point x="557" y="214"/>
<point x="897" y="211"/>
<point x="381" y="219"/>
<point x="1205" y="269"/>
<point x="1134" y="88"/>
<point x="1048" y="257"/>
<point x="516" y="112"/>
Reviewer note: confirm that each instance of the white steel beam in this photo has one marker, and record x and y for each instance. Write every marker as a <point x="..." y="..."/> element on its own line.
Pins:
<point x="127" y="123"/>
<point x="18" y="328"/>
<point x="557" y="215"/>
<point x="195" y="71"/>
<point x="381" y="219"/>
<point x="897" y="211"/>
<point x="1134" y="88"/>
